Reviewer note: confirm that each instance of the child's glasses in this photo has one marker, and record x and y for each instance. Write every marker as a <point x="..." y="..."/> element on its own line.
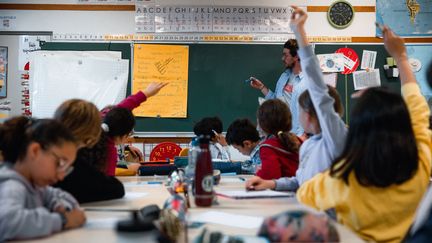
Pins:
<point x="62" y="164"/>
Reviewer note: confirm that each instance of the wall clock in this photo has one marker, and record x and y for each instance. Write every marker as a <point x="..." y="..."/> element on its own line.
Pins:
<point x="340" y="14"/>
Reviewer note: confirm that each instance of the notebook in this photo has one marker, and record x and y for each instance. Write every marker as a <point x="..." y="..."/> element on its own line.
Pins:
<point x="242" y="194"/>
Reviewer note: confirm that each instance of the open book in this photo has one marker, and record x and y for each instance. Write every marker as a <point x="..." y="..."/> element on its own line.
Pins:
<point x="242" y="194"/>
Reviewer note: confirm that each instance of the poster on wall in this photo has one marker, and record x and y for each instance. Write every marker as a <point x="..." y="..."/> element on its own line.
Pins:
<point x="162" y="63"/>
<point x="419" y="60"/>
<point x="3" y="71"/>
<point x="28" y="44"/>
<point x="406" y="18"/>
<point x="152" y="18"/>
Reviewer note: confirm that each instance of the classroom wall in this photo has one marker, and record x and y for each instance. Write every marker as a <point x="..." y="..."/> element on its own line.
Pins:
<point x="122" y="22"/>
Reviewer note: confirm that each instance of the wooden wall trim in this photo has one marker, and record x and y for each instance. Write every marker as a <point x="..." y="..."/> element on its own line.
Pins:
<point x="380" y="40"/>
<point x="68" y="7"/>
<point x="103" y="7"/>
<point x="357" y="9"/>
<point x="159" y="139"/>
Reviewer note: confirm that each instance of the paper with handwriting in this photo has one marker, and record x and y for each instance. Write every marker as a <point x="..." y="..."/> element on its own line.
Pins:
<point x="162" y="63"/>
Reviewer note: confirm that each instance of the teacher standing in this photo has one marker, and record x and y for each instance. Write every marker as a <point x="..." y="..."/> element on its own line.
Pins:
<point x="289" y="86"/>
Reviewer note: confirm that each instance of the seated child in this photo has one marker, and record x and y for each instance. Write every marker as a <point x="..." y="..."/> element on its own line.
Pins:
<point x="244" y="137"/>
<point x="88" y="181"/>
<point x="279" y="151"/>
<point x="375" y="187"/>
<point x="118" y="124"/>
<point x="317" y="152"/>
<point x="212" y="126"/>
<point x="37" y="154"/>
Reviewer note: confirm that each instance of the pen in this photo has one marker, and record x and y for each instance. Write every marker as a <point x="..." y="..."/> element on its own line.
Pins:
<point x="247" y="81"/>
<point x="379" y="26"/>
<point x="242" y="179"/>
<point x="154" y="182"/>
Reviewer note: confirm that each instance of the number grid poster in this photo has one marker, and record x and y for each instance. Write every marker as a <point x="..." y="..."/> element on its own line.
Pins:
<point x="162" y="63"/>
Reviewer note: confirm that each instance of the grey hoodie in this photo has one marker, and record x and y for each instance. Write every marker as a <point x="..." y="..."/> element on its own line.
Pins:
<point x="26" y="211"/>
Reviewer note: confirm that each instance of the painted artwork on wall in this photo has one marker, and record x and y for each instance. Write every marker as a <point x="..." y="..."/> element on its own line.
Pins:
<point x="3" y="71"/>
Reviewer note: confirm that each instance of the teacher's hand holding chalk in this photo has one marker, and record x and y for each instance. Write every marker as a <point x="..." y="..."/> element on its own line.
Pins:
<point x="257" y="84"/>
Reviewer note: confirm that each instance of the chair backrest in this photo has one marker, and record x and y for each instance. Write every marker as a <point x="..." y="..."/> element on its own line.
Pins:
<point x="184" y="152"/>
<point x="164" y="151"/>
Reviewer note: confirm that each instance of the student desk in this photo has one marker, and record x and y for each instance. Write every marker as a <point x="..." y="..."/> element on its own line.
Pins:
<point x="100" y="226"/>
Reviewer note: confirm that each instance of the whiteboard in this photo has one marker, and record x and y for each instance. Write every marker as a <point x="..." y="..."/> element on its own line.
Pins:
<point x="55" y="77"/>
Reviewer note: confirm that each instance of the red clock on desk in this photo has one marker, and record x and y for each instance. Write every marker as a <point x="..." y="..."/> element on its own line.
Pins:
<point x="165" y="150"/>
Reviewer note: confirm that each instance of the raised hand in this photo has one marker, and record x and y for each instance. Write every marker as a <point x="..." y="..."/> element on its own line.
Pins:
<point x="394" y="45"/>
<point x="396" y="48"/>
<point x="153" y="88"/>
<point x="298" y="19"/>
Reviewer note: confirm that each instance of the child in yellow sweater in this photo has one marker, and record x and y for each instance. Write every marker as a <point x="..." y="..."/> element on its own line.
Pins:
<point x="377" y="182"/>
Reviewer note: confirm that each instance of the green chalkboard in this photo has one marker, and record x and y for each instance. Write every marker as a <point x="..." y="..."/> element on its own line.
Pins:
<point x="216" y="79"/>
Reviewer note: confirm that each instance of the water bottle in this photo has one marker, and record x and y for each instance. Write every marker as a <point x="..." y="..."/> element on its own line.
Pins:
<point x="204" y="175"/>
<point x="194" y="149"/>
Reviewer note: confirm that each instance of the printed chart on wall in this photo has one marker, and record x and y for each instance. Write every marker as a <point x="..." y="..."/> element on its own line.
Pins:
<point x="419" y="60"/>
<point x="3" y="71"/>
<point x="162" y="63"/>
<point x="406" y="18"/>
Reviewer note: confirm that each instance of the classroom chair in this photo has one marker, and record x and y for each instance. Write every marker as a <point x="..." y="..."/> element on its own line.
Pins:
<point x="184" y="152"/>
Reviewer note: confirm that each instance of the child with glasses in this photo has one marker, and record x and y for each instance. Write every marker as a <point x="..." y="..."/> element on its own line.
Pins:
<point x="37" y="154"/>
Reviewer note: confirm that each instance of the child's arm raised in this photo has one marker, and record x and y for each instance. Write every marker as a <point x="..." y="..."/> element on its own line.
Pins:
<point x="332" y="127"/>
<point x="416" y="103"/>
<point x="133" y="101"/>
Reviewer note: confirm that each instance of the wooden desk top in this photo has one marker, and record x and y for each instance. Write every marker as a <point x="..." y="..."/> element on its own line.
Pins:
<point x="100" y="225"/>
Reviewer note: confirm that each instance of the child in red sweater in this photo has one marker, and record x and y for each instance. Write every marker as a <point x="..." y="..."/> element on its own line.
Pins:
<point x="118" y="122"/>
<point x="279" y="152"/>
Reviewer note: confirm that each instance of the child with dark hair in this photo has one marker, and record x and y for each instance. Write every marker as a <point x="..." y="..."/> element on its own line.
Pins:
<point x="328" y="134"/>
<point x="37" y="153"/>
<point x="279" y="151"/>
<point x="118" y="122"/>
<point x="212" y="127"/>
<point x="244" y="137"/>
<point x="375" y="187"/>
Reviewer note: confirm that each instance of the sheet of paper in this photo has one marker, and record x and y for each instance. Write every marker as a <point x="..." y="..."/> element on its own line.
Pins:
<point x="231" y="180"/>
<point x="330" y="63"/>
<point x="348" y="62"/>
<point x="102" y="223"/>
<point x="56" y="77"/>
<point x="162" y="63"/>
<point x="243" y="194"/>
<point x="366" y="79"/>
<point x="330" y="79"/>
<point x="368" y="59"/>
<point x="143" y="183"/>
<point x="134" y="195"/>
<point x="235" y="220"/>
